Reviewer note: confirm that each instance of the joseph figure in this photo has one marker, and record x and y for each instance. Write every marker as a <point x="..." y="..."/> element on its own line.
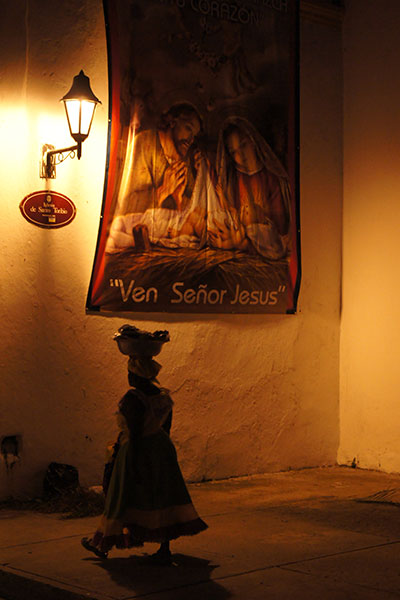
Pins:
<point x="161" y="164"/>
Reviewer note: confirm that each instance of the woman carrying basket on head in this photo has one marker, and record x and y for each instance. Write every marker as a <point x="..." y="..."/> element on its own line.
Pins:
<point x="147" y="499"/>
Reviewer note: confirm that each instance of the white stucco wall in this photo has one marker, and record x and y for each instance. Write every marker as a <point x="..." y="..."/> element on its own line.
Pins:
<point x="252" y="393"/>
<point x="370" y="374"/>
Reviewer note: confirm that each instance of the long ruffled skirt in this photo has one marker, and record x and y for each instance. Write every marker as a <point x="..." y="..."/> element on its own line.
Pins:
<point x="147" y="499"/>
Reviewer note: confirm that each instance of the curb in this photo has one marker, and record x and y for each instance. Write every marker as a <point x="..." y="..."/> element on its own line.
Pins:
<point x="17" y="587"/>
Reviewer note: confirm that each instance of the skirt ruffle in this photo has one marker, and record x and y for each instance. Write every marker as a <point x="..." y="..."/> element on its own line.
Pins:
<point x="134" y="535"/>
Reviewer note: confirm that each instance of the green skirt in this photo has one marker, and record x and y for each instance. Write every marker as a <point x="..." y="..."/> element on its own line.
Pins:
<point x="147" y="499"/>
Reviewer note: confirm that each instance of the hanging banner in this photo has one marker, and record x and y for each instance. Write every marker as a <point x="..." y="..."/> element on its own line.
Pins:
<point x="200" y="207"/>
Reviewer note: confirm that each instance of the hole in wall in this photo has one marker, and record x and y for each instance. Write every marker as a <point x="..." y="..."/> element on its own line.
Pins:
<point x="10" y="449"/>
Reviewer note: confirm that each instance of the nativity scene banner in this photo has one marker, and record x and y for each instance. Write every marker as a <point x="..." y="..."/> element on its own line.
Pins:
<point x="200" y="207"/>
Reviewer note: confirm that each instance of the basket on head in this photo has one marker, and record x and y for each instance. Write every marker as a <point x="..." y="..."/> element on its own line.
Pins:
<point x="135" y="342"/>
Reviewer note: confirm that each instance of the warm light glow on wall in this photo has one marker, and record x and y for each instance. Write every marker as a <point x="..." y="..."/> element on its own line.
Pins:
<point x="50" y="127"/>
<point x="14" y="135"/>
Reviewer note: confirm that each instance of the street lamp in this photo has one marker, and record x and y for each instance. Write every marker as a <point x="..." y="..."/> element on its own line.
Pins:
<point x="80" y="103"/>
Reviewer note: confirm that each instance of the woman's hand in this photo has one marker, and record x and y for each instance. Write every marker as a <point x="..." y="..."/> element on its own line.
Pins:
<point x="222" y="236"/>
<point x="228" y="234"/>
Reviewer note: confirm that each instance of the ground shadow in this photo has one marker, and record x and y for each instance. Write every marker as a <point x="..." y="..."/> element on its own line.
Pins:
<point x="187" y="576"/>
<point x="368" y="518"/>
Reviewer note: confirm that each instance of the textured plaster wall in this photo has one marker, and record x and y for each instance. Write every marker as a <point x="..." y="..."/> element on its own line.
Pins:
<point x="370" y="374"/>
<point x="252" y="393"/>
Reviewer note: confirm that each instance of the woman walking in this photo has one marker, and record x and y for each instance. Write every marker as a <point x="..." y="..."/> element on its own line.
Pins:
<point x="147" y="499"/>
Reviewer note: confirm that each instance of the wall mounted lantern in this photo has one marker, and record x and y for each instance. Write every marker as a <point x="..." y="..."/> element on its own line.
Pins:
<point x="80" y="104"/>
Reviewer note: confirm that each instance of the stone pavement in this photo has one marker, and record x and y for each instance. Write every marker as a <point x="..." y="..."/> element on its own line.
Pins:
<point x="295" y="535"/>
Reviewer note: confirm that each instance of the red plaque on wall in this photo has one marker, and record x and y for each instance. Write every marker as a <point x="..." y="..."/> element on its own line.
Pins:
<point x="48" y="209"/>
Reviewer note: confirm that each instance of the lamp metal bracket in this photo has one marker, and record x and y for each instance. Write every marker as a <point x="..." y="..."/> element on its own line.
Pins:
<point x="52" y="157"/>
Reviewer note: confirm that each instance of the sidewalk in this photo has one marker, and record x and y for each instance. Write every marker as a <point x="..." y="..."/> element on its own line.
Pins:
<point x="295" y="535"/>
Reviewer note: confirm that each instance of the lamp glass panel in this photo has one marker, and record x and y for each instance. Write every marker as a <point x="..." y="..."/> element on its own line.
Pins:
<point x="73" y="111"/>
<point x="86" y="116"/>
